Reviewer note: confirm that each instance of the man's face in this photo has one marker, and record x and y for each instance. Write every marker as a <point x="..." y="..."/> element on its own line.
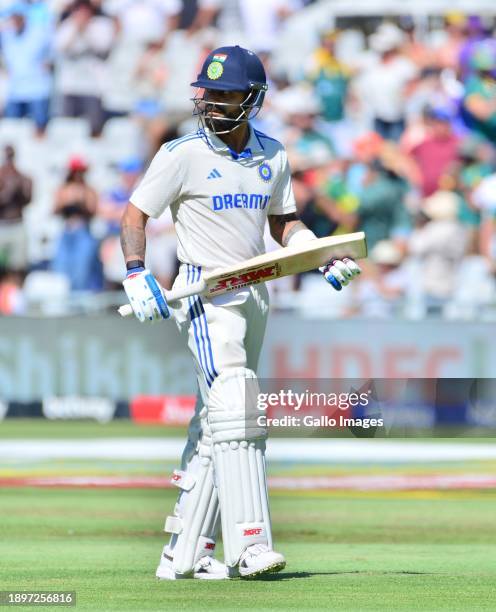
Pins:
<point x="9" y="154"/>
<point x="18" y="22"/>
<point x="303" y="121"/>
<point x="440" y="128"/>
<point x="221" y="104"/>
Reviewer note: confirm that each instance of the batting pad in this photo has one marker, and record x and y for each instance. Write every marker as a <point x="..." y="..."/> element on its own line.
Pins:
<point x="196" y="514"/>
<point x="239" y="461"/>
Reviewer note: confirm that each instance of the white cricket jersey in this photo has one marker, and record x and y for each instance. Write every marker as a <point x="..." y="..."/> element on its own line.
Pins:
<point x="219" y="200"/>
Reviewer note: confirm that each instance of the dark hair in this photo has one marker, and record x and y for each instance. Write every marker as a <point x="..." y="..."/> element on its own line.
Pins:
<point x="380" y="168"/>
<point x="9" y="152"/>
<point x="71" y="175"/>
<point x="75" y="5"/>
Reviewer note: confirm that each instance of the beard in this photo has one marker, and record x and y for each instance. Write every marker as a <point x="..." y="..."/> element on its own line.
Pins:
<point x="222" y="124"/>
<point x="226" y="122"/>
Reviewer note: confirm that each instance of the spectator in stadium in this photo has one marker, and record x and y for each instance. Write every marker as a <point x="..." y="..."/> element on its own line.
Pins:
<point x="77" y="253"/>
<point x="110" y="209"/>
<point x="112" y="204"/>
<point x="261" y="32"/>
<point x="15" y="194"/>
<point x="384" y="86"/>
<point x="12" y="300"/>
<point x="200" y="15"/>
<point x="381" y="211"/>
<point x="302" y="130"/>
<point x="437" y="151"/>
<point x="315" y="209"/>
<point x="369" y="148"/>
<point x="483" y="199"/>
<point x="142" y="21"/>
<point x="68" y="7"/>
<point x="40" y="11"/>
<point x="161" y="240"/>
<point x="429" y="90"/>
<point x="385" y="282"/>
<point x="329" y="76"/>
<point x="150" y="78"/>
<point x="415" y="47"/>
<point x="448" y="53"/>
<point x="334" y="202"/>
<point x="479" y="100"/>
<point x="83" y="42"/>
<point x="475" y="33"/>
<point x="476" y="162"/>
<point x="365" y="149"/>
<point x="439" y="245"/>
<point x="27" y="55"/>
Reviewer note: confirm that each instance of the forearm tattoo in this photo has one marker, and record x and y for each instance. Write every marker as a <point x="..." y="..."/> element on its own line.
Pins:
<point x="278" y="224"/>
<point x="133" y="242"/>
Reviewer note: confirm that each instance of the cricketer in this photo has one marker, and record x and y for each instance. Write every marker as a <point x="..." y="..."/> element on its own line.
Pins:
<point x="221" y="183"/>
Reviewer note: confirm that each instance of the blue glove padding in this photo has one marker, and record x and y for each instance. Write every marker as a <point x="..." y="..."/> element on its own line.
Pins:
<point x="145" y="295"/>
<point x="339" y="272"/>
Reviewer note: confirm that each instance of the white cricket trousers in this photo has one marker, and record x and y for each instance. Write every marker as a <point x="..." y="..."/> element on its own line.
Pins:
<point x="221" y="332"/>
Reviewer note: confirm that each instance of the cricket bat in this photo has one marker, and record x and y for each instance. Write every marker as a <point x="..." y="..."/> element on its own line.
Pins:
<point x="276" y="264"/>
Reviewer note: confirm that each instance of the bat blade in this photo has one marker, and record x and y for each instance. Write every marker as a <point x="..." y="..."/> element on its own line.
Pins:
<point x="286" y="261"/>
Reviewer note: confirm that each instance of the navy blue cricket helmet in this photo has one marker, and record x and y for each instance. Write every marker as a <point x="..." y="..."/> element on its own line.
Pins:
<point x="230" y="69"/>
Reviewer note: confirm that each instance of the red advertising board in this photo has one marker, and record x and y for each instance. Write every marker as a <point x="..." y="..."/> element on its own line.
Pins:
<point x="165" y="409"/>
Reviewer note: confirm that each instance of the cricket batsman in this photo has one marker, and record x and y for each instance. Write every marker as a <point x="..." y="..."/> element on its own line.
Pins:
<point x="222" y="183"/>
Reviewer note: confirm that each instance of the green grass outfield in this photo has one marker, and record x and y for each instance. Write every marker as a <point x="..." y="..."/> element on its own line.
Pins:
<point x="12" y="429"/>
<point x="354" y="551"/>
<point x="345" y="551"/>
<point x="403" y="550"/>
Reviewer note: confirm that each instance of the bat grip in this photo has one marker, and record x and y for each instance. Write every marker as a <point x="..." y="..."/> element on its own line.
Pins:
<point x="171" y="296"/>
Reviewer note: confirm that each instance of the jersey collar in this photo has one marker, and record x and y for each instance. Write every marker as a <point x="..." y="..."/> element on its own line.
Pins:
<point x="253" y="145"/>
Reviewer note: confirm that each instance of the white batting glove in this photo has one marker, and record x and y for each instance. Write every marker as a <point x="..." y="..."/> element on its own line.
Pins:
<point x="146" y="296"/>
<point x="339" y="272"/>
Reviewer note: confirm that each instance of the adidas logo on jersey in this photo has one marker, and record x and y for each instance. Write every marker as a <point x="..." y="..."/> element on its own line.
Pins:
<point x="214" y="174"/>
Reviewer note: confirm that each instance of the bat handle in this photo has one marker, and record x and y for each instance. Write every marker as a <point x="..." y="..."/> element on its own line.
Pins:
<point x="171" y="296"/>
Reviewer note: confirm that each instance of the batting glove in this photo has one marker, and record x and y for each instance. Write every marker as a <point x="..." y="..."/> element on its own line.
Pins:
<point x="145" y="295"/>
<point x="339" y="272"/>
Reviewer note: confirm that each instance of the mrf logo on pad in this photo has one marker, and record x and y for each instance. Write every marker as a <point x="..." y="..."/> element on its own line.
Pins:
<point x="253" y="531"/>
<point x="237" y="281"/>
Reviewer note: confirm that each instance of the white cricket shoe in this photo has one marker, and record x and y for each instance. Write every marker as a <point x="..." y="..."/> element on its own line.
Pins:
<point x="206" y="568"/>
<point x="259" y="559"/>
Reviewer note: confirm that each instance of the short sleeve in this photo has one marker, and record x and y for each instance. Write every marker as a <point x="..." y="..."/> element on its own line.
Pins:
<point x="171" y="7"/>
<point x="210" y="4"/>
<point x="160" y="186"/>
<point x="410" y="70"/>
<point x="484" y="195"/>
<point x="282" y="201"/>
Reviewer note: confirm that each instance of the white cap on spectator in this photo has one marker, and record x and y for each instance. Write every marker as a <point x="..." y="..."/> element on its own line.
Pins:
<point x="484" y="195"/>
<point x="441" y="206"/>
<point x="386" y="253"/>
<point x="316" y="157"/>
<point x="386" y="38"/>
<point x="297" y="100"/>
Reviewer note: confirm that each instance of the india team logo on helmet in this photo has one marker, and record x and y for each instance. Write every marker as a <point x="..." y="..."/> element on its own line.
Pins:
<point x="215" y="70"/>
<point x="265" y="172"/>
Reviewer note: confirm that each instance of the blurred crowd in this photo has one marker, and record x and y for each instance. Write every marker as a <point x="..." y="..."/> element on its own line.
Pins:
<point x="390" y="129"/>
